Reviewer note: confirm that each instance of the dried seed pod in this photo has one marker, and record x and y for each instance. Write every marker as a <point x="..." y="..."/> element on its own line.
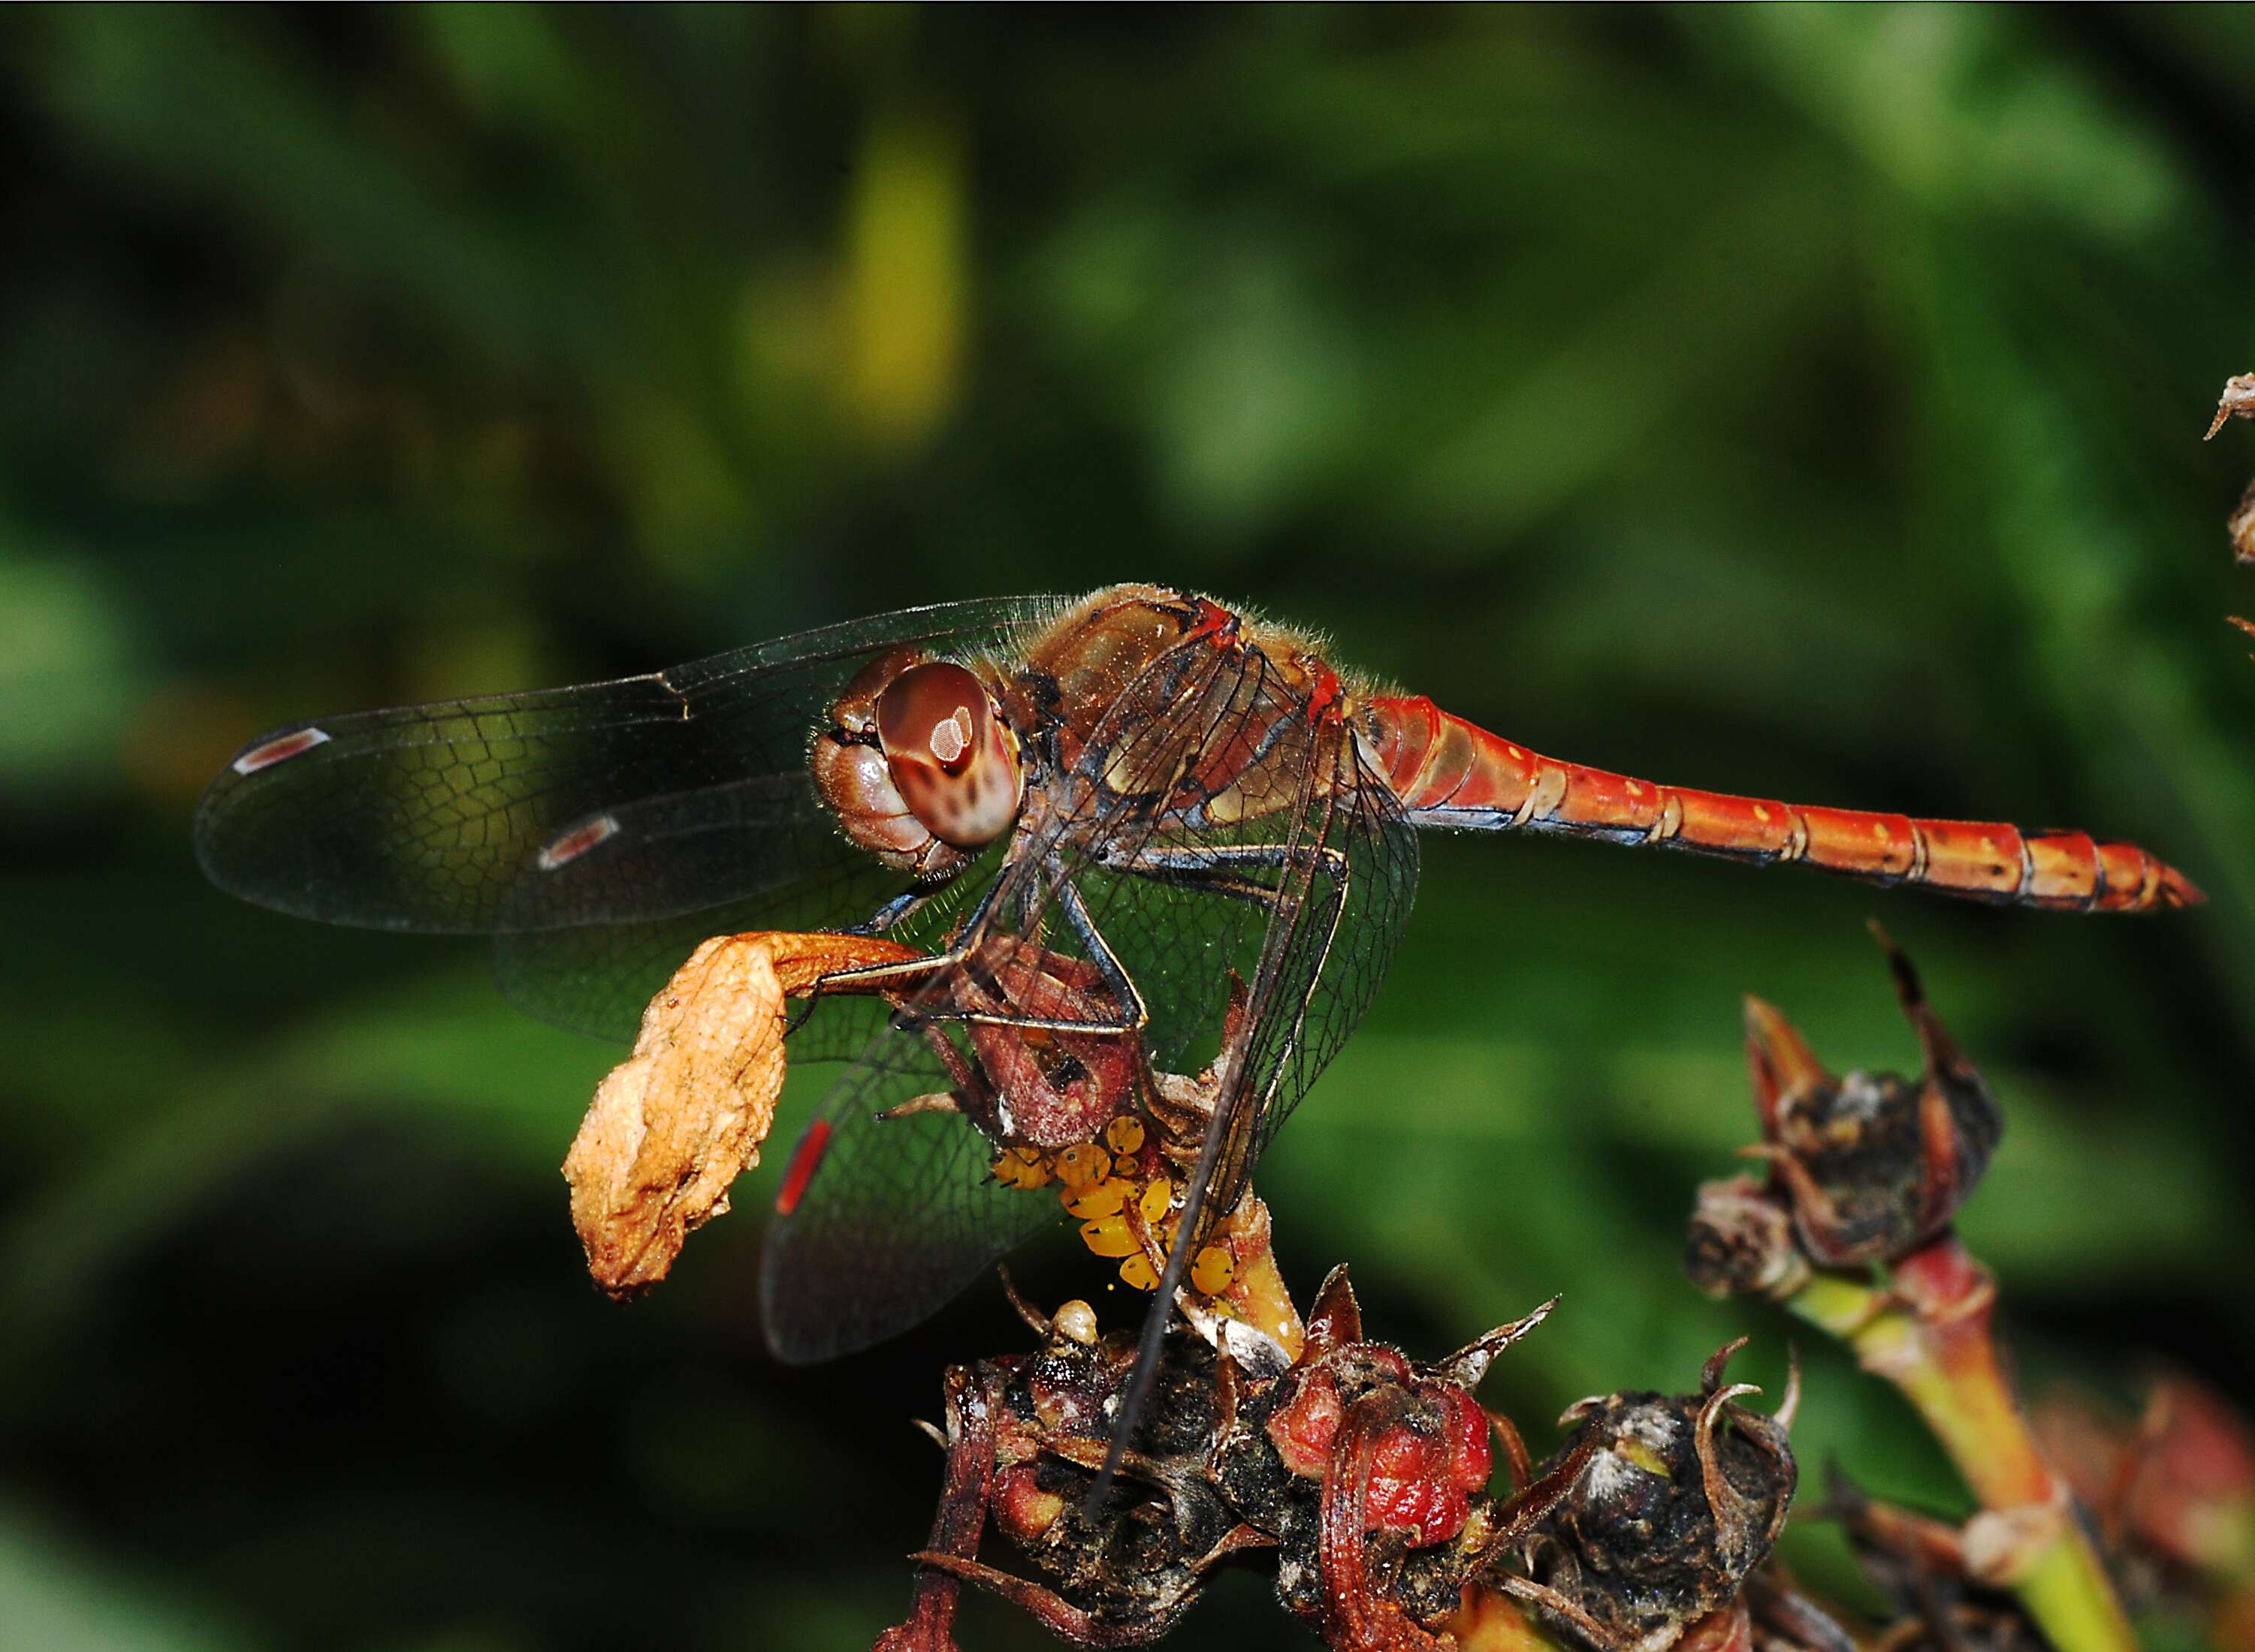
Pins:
<point x="1366" y="1472"/>
<point x="1873" y="1164"/>
<point x="1742" y="1241"/>
<point x="1679" y="1498"/>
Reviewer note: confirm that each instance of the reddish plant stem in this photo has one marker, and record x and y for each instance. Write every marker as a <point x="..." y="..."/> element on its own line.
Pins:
<point x="1930" y="1333"/>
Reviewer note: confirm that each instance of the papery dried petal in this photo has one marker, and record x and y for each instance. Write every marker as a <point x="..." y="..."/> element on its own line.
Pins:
<point x="673" y="1126"/>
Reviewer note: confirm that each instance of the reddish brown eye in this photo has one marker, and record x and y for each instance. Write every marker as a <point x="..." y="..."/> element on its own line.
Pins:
<point x="933" y="712"/>
<point x="952" y="761"/>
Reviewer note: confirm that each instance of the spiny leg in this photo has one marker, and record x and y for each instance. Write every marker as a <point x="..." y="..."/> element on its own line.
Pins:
<point x="914" y="974"/>
<point x="1214" y="870"/>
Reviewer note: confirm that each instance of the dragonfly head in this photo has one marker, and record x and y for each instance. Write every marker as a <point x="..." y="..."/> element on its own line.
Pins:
<point x="952" y="756"/>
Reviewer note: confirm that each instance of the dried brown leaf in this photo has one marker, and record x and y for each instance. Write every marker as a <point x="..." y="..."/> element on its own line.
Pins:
<point x="674" y="1124"/>
<point x="2242" y="525"/>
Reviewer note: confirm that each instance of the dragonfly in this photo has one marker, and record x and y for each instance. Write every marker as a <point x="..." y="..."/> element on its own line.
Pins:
<point x="1128" y="837"/>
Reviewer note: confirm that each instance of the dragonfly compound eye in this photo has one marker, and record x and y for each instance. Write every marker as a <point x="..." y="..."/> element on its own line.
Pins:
<point x="954" y="762"/>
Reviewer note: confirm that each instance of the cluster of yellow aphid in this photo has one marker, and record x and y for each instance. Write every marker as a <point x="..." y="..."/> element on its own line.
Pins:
<point x="1122" y="1215"/>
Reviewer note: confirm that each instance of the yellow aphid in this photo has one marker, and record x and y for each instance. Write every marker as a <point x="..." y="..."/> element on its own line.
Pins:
<point x="1643" y="1456"/>
<point x="1108" y="1198"/>
<point x="1021" y="1167"/>
<point x="1212" y="1272"/>
<point x="1083" y="1166"/>
<point x="1124" y="1135"/>
<point x="1109" y="1237"/>
<point x="1157" y="1198"/>
<point x="1137" y="1271"/>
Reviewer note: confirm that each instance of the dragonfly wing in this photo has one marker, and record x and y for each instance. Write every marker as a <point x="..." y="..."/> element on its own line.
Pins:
<point x="583" y="941"/>
<point x="887" y="1219"/>
<point x="426" y="817"/>
<point x="1335" y="934"/>
<point x="766" y="848"/>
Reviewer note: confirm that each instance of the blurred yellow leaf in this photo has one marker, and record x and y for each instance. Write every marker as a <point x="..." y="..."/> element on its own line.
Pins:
<point x="904" y="279"/>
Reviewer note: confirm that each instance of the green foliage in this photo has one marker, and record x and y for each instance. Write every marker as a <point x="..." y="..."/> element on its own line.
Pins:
<point x="1795" y="400"/>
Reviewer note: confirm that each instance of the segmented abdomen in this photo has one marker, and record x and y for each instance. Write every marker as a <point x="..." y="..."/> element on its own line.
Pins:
<point x="1450" y="773"/>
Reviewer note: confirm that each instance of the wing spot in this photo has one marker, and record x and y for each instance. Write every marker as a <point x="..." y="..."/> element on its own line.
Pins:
<point x="281" y="748"/>
<point x="578" y="842"/>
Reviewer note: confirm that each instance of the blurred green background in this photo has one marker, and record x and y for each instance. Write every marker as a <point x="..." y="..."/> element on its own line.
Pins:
<point x="1791" y="401"/>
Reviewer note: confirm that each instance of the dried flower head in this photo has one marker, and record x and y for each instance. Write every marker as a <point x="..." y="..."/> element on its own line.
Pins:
<point x="2237" y="402"/>
<point x="1679" y="1498"/>
<point x="1363" y="1471"/>
<point x="1873" y="1164"/>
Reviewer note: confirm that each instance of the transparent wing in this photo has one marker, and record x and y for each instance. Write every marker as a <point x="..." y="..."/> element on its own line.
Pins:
<point x="891" y="1217"/>
<point x="1305" y="867"/>
<point x="429" y="817"/>
<point x="770" y="838"/>
<point x="586" y="943"/>
<point x="1338" y="924"/>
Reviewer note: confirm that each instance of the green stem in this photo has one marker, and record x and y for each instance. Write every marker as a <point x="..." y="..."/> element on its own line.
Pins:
<point x="1929" y="1333"/>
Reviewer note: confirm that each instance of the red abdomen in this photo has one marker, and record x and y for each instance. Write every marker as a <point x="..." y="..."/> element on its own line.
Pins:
<point x="1450" y="773"/>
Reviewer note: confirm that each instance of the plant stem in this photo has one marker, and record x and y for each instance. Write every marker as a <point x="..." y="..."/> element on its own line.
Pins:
<point x="1928" y="1332"/>
<point x="1492" y="1621"/>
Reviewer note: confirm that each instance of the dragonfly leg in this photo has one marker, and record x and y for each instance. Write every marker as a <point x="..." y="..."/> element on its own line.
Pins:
<point x="881" y="978"/>
<point x="1216" y="870"/>
<point x="1133" y="1015"/>
<point x="1230" y="1135"/>
<point x="893" y="913"/>
<point x="974" y="1096"/>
